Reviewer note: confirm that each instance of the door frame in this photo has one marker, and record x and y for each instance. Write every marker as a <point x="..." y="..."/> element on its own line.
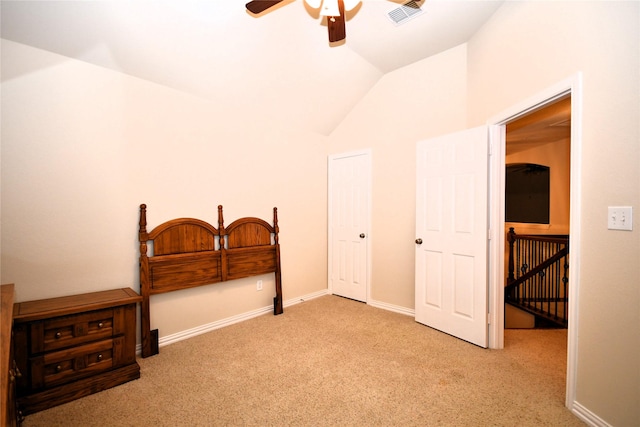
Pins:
<point x="497" y="140"/>
<point x="364" y="152"/>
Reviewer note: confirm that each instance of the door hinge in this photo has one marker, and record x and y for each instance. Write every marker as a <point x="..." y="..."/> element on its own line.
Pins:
<point x="488" y="318"/>
<point x="489" y="234"/>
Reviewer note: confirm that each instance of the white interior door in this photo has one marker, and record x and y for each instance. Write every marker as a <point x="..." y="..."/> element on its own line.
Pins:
<point x="349" y="213"/>
<point x="452" y="234"/>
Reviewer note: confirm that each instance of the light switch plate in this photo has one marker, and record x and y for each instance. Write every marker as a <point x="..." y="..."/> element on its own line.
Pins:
<point x="620" y="218"/>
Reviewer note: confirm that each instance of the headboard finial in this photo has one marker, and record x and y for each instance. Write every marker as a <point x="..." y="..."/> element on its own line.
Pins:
<point x="276" y="229"/>
<point x="221" y="226"/>
<point x="142" y="233"/>
<point x="220" y="218"/>
<point x="143" y="219"/>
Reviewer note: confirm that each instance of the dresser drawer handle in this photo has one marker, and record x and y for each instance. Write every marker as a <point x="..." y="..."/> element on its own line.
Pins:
<point x="16" y="370"/>
<point x="100" y="325"/>
<point x="99" y="357"/>
<point x="58" y="368"/>
<point x="58" y="335"/>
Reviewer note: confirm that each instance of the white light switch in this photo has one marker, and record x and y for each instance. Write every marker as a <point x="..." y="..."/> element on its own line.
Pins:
<point x="620" y="218"/>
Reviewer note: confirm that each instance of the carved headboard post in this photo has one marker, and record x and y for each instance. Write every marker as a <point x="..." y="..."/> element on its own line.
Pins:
<point x="144" y="284"/>
<point x="275" y="224"/>
<point x="223" y="252"/>
<point x="277" y="300"/>
<point x="143" y="224"/>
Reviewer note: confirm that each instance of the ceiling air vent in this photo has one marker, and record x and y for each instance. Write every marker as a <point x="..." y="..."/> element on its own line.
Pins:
<point x="405" y="12"/>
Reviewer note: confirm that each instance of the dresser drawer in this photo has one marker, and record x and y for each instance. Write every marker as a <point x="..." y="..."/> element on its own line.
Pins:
<point x="62" y="366"/>
<point x="73" y="330"/>
<point x="68" y="331"/>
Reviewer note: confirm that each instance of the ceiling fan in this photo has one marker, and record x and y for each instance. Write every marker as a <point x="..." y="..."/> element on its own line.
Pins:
<point x="332" y="9"/>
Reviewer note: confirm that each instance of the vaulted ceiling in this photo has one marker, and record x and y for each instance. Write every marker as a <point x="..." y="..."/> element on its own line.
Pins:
<point x="218" y="51"/>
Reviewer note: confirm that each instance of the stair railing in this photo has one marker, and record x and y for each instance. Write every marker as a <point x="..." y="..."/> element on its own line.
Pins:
<point x="538" y="275"/>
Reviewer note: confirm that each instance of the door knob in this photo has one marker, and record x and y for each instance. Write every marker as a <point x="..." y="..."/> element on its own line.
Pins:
<point x="362" y="235"/>
<point x="419" y="241"/>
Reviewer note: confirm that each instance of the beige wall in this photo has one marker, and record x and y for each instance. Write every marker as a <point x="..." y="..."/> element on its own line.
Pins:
<point x="555" y="155"/>
<point x="413" y="103"/>
<point x="525" y="48"/>
<point x="83" y="146"/>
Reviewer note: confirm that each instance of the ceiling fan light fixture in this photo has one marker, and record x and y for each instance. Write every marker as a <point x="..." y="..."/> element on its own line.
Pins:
<point x="330" y="8"/>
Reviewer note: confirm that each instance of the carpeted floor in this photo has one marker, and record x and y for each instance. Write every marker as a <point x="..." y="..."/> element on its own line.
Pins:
<point x="335" y="362"/>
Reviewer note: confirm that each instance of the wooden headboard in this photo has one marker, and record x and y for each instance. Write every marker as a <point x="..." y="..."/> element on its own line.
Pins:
<point x="190" y="252"/>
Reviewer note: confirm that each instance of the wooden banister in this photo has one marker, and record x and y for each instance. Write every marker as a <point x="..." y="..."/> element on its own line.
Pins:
<point x="538" y="275"/>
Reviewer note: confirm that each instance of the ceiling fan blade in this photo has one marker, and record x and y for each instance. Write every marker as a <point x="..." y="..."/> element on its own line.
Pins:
<point x="259" y="6"/>
<point x="336" y="25"/>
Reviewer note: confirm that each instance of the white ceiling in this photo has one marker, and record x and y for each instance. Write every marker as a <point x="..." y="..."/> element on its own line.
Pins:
<point x="216" y="50"/>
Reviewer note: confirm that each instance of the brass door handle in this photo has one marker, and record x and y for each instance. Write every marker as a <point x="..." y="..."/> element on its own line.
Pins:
<point x="362" y="235"/>
<point x="419" y="241"/>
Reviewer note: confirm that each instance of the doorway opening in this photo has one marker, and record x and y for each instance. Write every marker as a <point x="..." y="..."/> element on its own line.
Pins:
<point x="570" y="89"/>
<point x="537" y="202"/>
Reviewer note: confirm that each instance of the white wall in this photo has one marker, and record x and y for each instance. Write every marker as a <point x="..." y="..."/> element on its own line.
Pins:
<point x="413" y="103"/>
<point x="83" y="147"/>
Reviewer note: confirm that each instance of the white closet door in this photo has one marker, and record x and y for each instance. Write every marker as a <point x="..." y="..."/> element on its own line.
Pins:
<point x="349" y="216"/>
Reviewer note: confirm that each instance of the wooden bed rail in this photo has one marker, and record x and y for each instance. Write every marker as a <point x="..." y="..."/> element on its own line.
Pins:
<point x="189" y="252"/>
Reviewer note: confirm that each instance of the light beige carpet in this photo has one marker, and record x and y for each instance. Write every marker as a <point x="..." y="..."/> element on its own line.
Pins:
<point x="335" y="362"/>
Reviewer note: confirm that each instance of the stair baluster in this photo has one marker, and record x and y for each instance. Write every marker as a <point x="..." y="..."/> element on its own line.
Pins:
<point x="537" y="278"/>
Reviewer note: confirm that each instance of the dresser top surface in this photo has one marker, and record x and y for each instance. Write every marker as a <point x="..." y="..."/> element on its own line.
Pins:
<point x="41" y="309"/>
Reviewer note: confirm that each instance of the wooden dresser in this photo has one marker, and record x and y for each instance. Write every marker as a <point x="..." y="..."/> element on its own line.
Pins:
<point x="70" y="347"/>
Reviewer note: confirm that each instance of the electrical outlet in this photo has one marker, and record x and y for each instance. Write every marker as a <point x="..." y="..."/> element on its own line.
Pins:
<point x="620" y="218"/>
<point x="259" y="285"/>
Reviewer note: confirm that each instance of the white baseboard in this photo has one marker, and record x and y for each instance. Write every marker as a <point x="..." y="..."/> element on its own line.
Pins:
<point x="391" y="307"/>
<point x="587" y="416"/>
<point x="190" y="333"/>
<point x="307" y="297"/>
